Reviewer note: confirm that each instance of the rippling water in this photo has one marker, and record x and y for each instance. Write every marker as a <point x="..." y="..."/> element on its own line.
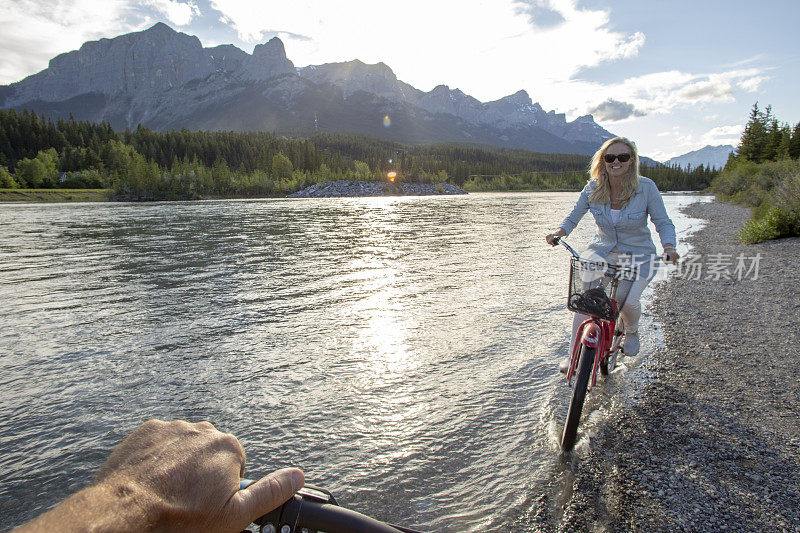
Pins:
<point x="400" y="350"/>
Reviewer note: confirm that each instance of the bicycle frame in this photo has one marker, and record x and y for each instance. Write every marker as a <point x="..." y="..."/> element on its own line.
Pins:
<point x="594" y="332"/>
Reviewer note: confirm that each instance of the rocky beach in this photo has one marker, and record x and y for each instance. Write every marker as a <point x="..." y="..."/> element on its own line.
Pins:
<point x="712" y="441"/>
<point x="345" y="188"/>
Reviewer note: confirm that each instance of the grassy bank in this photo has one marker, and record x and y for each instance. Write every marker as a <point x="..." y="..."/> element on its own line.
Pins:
<point x="54" y="195"/>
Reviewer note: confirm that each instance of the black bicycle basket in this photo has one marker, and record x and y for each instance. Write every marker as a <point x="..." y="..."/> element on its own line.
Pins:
<point x="591" y="286"/>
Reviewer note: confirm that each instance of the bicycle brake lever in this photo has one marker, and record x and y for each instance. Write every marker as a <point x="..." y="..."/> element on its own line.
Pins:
<point x="309" y="491"/>
<point x="286" y="517"/>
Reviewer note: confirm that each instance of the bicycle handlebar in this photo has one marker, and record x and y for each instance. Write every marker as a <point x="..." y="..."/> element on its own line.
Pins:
<point x="312" y="510"/>
<point x="558" y="240"/>
<point x="562" y="242"/>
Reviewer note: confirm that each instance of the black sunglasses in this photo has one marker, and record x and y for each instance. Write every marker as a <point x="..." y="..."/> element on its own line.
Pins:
<point x="609" y="158"/>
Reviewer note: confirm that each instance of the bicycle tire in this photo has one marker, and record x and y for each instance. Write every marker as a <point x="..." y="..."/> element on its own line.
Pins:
<point x="583" y="374"/>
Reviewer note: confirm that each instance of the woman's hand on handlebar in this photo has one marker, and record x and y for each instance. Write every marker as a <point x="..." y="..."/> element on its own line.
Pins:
<point x="551" y="237"/>
<point x="173" y="476"/>
<point x="670" y="255"/>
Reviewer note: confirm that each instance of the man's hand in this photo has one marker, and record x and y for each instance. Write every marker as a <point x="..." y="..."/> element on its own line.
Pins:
<point x="173" y="476"/>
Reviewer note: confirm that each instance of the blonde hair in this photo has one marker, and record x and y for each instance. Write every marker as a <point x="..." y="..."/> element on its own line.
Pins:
<point x="597" y="173"/>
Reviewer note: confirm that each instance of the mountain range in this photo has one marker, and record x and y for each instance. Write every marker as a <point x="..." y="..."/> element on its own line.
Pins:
<point x="708" y="156"/>
<point x="164" y="79"/>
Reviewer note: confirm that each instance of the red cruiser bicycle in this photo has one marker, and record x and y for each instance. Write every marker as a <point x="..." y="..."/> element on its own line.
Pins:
<point x="594" y="290"/>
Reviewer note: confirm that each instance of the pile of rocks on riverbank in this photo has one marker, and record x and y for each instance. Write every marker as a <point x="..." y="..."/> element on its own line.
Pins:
<point x="345" y="188"/>
<point x="712" y="443"/>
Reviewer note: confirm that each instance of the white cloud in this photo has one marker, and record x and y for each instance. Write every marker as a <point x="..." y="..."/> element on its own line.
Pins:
<point x="464" y="43"/>
<point x="613" y="110"/>
<point x="724" y="135"/>
<point x="705" y="91"/>
<point x="178" y="13"/>
<point x="752" y="84"/>
<point x="657" y="93"/>
<point x="630" y="47"/>
<point x="748" y="61"/>
<point x="541" y="13"/>
<point x="34" y="31"/>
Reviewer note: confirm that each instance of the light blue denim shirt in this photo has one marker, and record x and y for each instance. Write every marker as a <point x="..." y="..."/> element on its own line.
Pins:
<point x="630" y="234"/>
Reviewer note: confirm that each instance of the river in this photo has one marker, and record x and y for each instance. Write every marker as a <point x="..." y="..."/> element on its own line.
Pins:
<point x="401" y="351"/>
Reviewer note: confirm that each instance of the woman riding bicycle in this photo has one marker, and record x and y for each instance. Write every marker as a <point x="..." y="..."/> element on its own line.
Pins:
<point x="620" y="201"/>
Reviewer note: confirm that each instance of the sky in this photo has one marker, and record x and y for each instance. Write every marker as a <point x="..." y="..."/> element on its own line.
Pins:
<point x="671" y="75"/>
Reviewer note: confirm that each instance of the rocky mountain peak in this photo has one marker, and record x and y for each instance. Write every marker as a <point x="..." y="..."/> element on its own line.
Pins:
<point x="159" y="36"/>
<point x="442" y="99"/>
<point x="136" y="64"/>
<point x="271" y="49"/>
<point x="268" y="61"/>
<point x="708" y="156"/>
<point x="514" y="110"/>
<point x="159" y="28"/>
<point x="359" y="70"/>
<point x="584" y="128"/>
<point x="226" y="57"/>
<point x="519" y="97"/>
<point x="353" y="76"/>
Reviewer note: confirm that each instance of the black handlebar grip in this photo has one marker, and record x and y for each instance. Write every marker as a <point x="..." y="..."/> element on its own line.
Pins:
<point x="332" y="518"/>
<point x="299" y="513"/>
<point x="316" y="509"/>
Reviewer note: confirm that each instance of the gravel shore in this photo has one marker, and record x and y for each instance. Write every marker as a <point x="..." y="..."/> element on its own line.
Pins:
<point x="712" y="443"/>
<point x="352" y="189"/>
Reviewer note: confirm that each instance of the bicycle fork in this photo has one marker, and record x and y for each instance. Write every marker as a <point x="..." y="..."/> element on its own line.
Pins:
<point x="592" y="335"/>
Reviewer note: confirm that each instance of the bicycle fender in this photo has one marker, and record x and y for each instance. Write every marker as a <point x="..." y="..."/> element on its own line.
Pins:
<point x="590" y="336"/>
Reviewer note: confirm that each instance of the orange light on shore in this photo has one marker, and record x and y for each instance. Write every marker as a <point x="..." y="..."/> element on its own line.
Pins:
<point x="391" y="175"/>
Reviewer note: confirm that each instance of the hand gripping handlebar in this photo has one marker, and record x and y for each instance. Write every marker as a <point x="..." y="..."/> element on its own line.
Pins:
<point x="314" y="510"/>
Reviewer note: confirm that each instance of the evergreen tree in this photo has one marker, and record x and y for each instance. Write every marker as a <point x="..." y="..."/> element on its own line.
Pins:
<point x="794" y="143"/>
<point x="784" y="142"/>
<point x="754" y="140"/>
<point x="773" y="141"/>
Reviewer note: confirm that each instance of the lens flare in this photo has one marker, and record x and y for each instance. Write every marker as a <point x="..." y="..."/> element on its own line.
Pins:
<point x="391" y="175"/>
<point x="387" y="122"/>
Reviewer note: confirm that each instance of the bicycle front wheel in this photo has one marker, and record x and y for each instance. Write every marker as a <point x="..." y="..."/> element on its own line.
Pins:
<point x="583" y="374"/>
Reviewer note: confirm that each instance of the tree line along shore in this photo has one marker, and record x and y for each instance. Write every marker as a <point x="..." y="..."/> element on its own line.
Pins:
<point x="36" y="152"/>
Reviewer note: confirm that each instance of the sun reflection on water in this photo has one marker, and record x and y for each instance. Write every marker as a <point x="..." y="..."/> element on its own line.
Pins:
<point x="388" y="362"/>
